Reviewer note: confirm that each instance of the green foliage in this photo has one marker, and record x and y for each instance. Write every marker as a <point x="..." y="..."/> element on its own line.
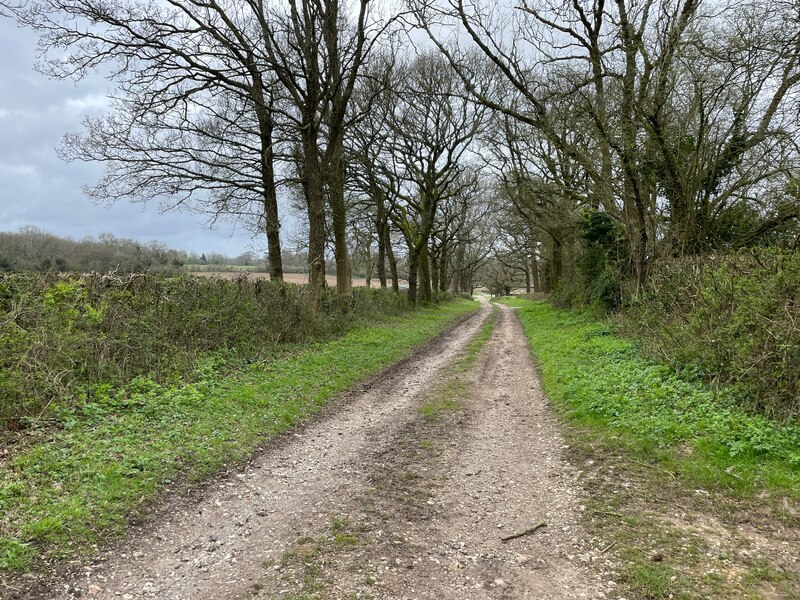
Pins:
<point x="599" y="266"/>
<point x="62" y="338"/>
<point x="78" y="483"/>
<point x="733" y="223"/>
<point x="731" y="320"/>
<point x="14" y="555"/>
<point x="601" y="381"/>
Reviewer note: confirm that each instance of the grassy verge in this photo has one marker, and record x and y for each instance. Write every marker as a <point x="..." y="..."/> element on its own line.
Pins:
<point x="80" y="486"/>
<point x="699" y="497"/>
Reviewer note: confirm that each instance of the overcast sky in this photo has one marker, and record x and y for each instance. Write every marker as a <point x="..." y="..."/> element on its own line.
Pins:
<point x="37" y="188"/>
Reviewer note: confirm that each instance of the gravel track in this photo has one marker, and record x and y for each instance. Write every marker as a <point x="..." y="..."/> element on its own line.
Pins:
<point x="215" y="548"/>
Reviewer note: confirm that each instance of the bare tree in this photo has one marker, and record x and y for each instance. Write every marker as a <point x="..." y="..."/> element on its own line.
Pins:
<point x="431" y="132"/>
<point x="677" y="110"/>
<point x="317" y="48"/>
<point x="191" y="120"/>
<point x="200" y="89"/>
<point x="368" y="144"/>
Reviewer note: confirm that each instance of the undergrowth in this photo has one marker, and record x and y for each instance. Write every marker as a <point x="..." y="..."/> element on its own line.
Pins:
<point x="76" y="483"/>
<point x="730" y="320"/>
<point x="601" y="381"/>
<point x="66" y="341"/>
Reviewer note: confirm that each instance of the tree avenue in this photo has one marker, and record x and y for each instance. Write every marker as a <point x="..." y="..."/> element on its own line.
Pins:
<point x="676" y="119"/>
<point x="567" y="146"/>
<point x="207" y="94"/>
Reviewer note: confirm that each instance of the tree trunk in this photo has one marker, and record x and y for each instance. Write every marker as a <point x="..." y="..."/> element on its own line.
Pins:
<point x="443" y="273"/>
<point x="412" y="277"/>
<point x="381" y="228"/>
<point x="344" y="282"/>
<point x="315" y="201"/>
<point x="458" y="271"/>
<point x="381" y="266"/>
<point x="266" y="127"/>
<point x="392" y="261"/>
<point x="425" y="275"/>
<point x="434" y="266"/>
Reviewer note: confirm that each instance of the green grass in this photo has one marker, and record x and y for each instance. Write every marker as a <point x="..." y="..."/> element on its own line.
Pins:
<point x="80" y="484"/>
<point x="448" y="396"/>
<point x="446" y="400"/>
<point x="467" y="360"/>
<point x="602" y="383"/>
<point x="654" y="444"/>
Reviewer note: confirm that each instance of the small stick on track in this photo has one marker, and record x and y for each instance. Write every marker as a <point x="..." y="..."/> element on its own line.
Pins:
<point x="526" y="532"/>
<point x="607" y="548"/>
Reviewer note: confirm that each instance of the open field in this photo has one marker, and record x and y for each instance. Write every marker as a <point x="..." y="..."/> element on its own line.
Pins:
<point x="298" y="278"/>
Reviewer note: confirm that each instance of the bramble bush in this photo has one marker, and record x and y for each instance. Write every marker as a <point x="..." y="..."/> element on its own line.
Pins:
<point x="65" y="339"/>
<point x="732" y="320"/>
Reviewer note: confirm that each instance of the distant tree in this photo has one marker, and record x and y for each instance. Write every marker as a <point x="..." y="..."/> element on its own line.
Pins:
<point x="426" y="128"/>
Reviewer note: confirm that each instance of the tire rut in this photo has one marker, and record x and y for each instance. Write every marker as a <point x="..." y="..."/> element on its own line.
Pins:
<point x="444" y="492"/>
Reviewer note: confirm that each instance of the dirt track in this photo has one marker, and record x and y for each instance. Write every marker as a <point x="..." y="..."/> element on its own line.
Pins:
<point x="378" y="500"/>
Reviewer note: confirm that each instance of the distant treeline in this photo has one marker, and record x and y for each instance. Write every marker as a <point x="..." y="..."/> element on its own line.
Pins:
<point x="31" y="249"/>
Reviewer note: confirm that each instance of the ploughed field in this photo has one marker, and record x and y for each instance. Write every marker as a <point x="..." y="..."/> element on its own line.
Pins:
<point x="299" y="278"/>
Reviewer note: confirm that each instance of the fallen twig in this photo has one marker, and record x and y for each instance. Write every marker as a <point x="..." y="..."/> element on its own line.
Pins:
<point x="608" y="513"/>
<point x="670" y="473"/>
<point x="526" y="532"/>
<point x="607" y="548"/>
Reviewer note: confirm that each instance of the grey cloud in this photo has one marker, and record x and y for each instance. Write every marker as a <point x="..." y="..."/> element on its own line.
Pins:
<point x="37" y="188"/>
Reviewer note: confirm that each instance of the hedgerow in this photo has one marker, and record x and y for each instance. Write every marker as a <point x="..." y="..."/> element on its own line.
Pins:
<point x="731" y="320"/>
<point x="67" y="339"/>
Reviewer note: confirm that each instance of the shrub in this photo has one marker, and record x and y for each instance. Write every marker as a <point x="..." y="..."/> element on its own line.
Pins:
<point x="64" y="339"/>
<point x="601" y="264"/>
<point x="728" y="319"/>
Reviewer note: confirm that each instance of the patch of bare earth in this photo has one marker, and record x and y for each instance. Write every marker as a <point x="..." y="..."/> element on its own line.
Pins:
<point x="381" y="499"/>
<point x="675" y="541"/>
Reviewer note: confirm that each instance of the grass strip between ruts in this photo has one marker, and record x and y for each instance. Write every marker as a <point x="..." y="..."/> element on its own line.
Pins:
<point x="65" y="494"/>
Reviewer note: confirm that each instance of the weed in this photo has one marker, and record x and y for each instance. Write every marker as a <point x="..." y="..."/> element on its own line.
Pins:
<point x="73" y="343"/>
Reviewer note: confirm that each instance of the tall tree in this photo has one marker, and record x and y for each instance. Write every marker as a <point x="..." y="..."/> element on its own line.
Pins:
<point x="680" y="111"/>
<point x="431" y="131"/>
<point x="317" y="49"/>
